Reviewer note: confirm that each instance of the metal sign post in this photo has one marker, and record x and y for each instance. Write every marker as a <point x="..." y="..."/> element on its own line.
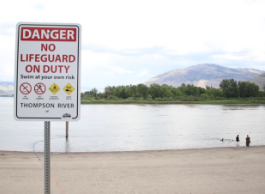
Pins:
<point x="47" y="157"/>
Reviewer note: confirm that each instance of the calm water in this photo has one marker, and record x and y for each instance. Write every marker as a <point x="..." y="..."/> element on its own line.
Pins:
<point x="137" y="127"/>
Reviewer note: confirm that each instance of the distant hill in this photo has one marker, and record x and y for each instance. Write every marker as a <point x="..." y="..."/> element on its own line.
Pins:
<point x="259" y="80"/>
<point x="6" y="88"/>
<point x="204" y="74"/>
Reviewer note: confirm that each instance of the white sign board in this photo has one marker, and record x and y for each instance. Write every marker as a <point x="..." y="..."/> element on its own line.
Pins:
<point x="47" y="72"/>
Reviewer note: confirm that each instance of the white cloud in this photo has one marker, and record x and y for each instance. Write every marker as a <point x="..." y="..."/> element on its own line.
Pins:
<point x="7" y="58"/>
<point x="91" y="59"/>
<point x="143" y="73"/>
<point x="231" y="57"/>
<point x="119" y="70"/>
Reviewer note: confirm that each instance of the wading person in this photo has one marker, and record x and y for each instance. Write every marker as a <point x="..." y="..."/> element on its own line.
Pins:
<point x="247" y="141"/>
<point x="237" y="141"/>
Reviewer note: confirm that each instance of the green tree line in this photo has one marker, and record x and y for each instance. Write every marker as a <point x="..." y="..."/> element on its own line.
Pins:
<point x="229" y="88"/>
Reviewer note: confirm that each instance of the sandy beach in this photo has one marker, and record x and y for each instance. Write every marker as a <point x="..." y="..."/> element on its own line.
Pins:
<point x="217" y="170"/>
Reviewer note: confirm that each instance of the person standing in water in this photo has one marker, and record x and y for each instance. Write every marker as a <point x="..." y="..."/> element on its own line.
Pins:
<point x="247" y="141"/>
<point x="237" y="141"/>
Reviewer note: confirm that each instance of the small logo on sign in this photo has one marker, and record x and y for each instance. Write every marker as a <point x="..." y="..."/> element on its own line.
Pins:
<point x="66" y="115"/>
<point x="54" y="88"/>
<point x="68" y="89"/>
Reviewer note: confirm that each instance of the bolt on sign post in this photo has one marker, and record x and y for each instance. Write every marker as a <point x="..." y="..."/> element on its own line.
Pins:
<point x="47" y="76"/>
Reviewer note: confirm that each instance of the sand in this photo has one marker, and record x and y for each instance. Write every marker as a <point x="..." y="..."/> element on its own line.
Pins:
<point x="217" y="170"/>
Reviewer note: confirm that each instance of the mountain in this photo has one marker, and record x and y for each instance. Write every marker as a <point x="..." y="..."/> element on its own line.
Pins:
<point x="259" y="80"/>
<point x="203" y="74"/>
<point x="6" y="88"/>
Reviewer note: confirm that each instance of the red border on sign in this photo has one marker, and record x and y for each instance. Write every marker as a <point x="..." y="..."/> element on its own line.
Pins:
<point x="38" y="87"/>
<point x="24" y="87"/>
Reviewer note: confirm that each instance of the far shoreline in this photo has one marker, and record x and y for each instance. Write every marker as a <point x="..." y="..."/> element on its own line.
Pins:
<point x="233" y="101"/>
<point x="168" y="103"/>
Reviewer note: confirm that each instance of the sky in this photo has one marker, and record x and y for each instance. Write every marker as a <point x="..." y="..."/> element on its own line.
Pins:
<point x="128" y="42"/>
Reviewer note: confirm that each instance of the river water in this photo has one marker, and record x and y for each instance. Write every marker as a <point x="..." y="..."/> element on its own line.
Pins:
<point x="104" y="128"/>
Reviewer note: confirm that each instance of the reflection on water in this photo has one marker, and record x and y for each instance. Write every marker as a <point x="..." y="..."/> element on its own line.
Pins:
<point x="67" y="145"/>
<point x="137" y="127"/>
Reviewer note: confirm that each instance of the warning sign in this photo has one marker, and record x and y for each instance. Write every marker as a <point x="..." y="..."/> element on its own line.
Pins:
<point x="47" y="71"/>
<point x="39" y="88"/>
<point x="68" y="89"/>
<point x="25" y="88"/>
<point x="54" y="88"/>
